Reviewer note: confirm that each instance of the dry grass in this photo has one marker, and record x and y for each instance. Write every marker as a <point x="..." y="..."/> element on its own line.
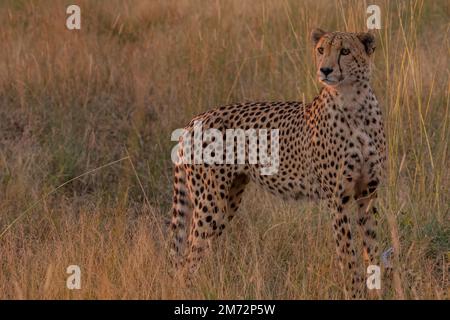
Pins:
<point x="72" y="101"/>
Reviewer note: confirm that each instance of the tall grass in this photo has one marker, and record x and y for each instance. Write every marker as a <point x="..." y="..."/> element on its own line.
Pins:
<point x="73" y="101"/>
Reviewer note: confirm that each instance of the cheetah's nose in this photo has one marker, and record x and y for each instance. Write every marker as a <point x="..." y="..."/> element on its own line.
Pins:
<point x="326" y="71"/>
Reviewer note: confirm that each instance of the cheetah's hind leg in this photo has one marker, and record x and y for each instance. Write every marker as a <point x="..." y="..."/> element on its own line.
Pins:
<point x="214" y="207"/>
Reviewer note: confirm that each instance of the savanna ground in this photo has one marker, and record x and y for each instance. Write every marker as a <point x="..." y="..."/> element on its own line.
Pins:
<point x="75" y="101"/>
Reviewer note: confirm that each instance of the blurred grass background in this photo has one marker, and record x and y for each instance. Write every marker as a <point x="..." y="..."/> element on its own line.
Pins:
<point x="72" y="101"/>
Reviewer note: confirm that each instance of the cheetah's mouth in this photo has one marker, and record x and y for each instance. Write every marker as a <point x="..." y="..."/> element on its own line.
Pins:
<point x="329" y="81"/>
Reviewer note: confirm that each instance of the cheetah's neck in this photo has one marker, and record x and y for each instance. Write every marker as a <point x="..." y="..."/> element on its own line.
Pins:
<point x="351" y="98"/>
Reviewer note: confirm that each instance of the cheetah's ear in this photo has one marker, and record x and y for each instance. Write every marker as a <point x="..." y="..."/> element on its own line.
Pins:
<point x="368" y="40"/>
<point x="316" y="34"/>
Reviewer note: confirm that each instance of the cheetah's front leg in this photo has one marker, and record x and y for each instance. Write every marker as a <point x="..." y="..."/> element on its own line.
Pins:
<point x="345" y="245"/>
<point x="368" y="228"/>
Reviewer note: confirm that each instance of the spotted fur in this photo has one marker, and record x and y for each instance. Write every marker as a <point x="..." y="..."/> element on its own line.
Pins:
<point x="332" y="149"/>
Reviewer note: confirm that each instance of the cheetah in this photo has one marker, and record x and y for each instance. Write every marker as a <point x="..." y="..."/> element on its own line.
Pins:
<point x="332" y="150"/>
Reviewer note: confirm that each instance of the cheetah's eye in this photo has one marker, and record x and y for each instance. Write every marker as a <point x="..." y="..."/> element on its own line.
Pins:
<point x="320" y="50"/>
<point x="345" y="52"/>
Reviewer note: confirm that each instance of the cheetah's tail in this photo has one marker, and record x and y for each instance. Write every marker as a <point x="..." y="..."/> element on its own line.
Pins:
<point x="181" y="214"/>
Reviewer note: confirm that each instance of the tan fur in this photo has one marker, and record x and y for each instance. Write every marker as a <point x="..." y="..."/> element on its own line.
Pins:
<point x="332" y="149"/>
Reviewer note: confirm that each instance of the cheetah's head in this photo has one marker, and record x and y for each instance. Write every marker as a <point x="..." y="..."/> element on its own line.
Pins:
<point x="342" y="58"/>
